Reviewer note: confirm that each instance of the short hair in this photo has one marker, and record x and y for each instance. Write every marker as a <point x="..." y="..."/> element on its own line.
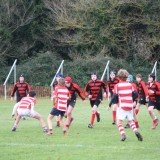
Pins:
<point x="32" y="93"/>
<point x="153" y="76"/>
<point x="139" y="75"/>
<point x="61" y="82"/>
<point x="123" y="74"/>
<point x="93" y="73"/>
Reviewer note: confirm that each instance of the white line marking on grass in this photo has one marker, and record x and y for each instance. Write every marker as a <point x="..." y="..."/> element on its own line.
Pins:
<point x="76" y="145"/>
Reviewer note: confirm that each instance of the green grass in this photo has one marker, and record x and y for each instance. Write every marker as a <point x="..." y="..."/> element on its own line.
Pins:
<point x="100" y="143"/>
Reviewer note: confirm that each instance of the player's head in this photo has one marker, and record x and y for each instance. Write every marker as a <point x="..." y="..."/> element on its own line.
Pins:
<point x="58" y="76"/>
<point x="130" y="78"/>
<point x="21" y="78"/>
<point x="93" y="76"/>
<point x="61" y="82"/>
<point x="112" y="74"/>
<point x="123" y="74"/>
<point x="151" y="77"/>
<point x="68" y="81"/>
<point x="32" y="93"/>
<point x="138" y="77"/>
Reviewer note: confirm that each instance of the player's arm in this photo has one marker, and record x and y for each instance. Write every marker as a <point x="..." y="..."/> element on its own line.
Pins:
<point x="158" y="91"/>
<point x="104" y="86"/>
<point x="55" y="96"/>
<point x="14" y="90"/>
<point x="145" y="89"/>
<point x="79" y="91"/>
<point x="87" y="89"/>
<point x="114" y="99"/>
<point x="28" y="88"/>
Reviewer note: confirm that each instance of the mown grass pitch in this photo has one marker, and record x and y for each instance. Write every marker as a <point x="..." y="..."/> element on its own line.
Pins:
<point x="100" y="143"/>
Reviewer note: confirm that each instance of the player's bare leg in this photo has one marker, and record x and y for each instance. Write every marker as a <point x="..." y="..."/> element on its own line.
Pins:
<point x="69" y="116"/>
<point x="41" y="120"/>
<point x="153" y="116"/>
<point x="94" y="111"/>
<point x="16" y="123"/>
<point x="58" y="121"/>
<point x="135" y="119"/>
<point x="63" y="126"/>
<point x="49" y="120"/>
<point x="137" y="108"/>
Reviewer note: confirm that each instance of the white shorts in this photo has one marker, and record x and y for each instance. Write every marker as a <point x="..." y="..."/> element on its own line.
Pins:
<point x="26" y="112"/>
<point x="122" y="114"/>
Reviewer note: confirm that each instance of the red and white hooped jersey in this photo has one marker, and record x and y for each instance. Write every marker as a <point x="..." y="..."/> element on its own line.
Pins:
<point x="26" y="102"/>
<point x="124" y="91"/>
<point x="62" y="95"/>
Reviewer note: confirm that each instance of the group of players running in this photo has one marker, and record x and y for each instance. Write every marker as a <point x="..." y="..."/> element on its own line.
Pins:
<point x="125" y="97"/>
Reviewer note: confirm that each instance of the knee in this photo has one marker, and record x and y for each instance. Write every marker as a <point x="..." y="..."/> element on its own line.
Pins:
<point x="49" y="117"/>
<point x="69" y="113"/>
<point x="93" y="110"/>
<point x="150" y="109"/>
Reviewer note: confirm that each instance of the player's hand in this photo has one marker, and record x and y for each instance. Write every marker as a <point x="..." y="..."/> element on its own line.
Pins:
<point x="12" y="115"/>
<point x="109" y="94"/>
<point x="90" y="96"/>
<point x="147" y="98"/>
<point x="84" y="101"/>
<point x="104" y="95"/>
<point x="108" y="108"/>
<point x="150" y="91"/>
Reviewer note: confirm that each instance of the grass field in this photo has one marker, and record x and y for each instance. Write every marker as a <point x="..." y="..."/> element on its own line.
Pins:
<point x="100" y="143"/>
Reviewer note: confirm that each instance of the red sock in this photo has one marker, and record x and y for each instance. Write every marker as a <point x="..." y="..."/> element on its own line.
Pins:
<point x="136" y="111"/>
<point x="97" y="114"/>
<point x="58" y="123"/>
<point x="137" y="124"/>
<point x="114" y="116"/>
<point x="92" y="119"/>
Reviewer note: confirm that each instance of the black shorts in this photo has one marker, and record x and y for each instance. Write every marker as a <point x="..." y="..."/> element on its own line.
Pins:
<point x="95" y="102"/>
<point x="71" y="103"/>
<point x="56" y="112"/>
<point x="155" y="104"/>
<point x="142" y="100"/>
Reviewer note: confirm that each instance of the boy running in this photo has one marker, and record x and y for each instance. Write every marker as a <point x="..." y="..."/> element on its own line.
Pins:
<point x="60" y="97"/>
<point x="124" y="91"/>
<point x="113" y="80"/>
<point x="73" y="89"/>
<point x="142" y="92"/>
<point x="26" y="108"/>
<point x="58" y="76"/>
<point x="130" y="80"/>
<point x="154" y="98"/>
<point x="21" y="88"/>
<point x="94" y="92"/>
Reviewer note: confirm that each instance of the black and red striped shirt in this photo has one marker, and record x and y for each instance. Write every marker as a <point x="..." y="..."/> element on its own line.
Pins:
<point x="111" y="83"/>
<point x="155" y="86"/>
<point x="94" y="88"/>
<point x="73" y="89"/>
<point x="21" y="90"/>
<point x="142" y="89"/>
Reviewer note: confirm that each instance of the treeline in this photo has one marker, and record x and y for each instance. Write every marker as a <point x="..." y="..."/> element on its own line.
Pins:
<point x="85" y="33"/>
